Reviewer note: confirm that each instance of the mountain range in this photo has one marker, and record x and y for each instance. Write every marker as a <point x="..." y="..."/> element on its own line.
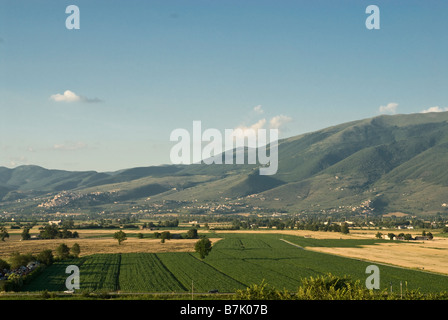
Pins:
<point x="389" y="163"/>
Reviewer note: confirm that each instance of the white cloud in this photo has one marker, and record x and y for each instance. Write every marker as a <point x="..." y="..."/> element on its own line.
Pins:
<point x="276" y="122"/>
<point x="258" y="109"/>
<point x="69" y="146"/>
<point x="258" y="125"/>
<point x="390" y="108"/>
<point x="18" y="161"/>
<point x="279" y="121"/>
<point x="252" y="129"/>
<point x="435" y="109"/>
<point x="70" y="96"/>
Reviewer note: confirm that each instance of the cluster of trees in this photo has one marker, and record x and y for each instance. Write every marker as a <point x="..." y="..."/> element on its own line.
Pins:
<point x="46" y="257"/>
<point x="64" y="252"/>
<point x="406" y="236"/>
<point x="17" y="260"/>
<point x="161" y="224"/>
<point x="165" y="235"/>
<point x="192" y="234"/>
<point x="289" y="223"/>
<point x="202" y="247"/>
<point x="47" y="232"/>
<point x="53" y="232"/>
<point x="320" y="226"/>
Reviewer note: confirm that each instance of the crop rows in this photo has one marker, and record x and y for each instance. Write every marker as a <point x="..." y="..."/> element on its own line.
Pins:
<point x="253" y="265"/>
<point x="53" y="277"/>
<point x="100" y="272"/>
<point x="235" y="262"/>
<point x="188" y="269"/>
<point x="143" y="272"/>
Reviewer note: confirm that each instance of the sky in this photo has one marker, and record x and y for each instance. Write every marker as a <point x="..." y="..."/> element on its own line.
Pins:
<point x="107" y="96"/>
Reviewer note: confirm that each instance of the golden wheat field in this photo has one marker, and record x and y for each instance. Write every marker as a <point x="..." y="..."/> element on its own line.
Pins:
<point x="90" y="243"/>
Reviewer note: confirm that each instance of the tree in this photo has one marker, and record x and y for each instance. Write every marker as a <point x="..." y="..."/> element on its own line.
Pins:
<point x="429" y="235"/>
<point x="203" y="247"/>
<point x="344" y="229"/>
<point x="378" y="235"/>
<point x="120" y="236"/>
<point x="46" y="257"/>
<point x="391" y="236"/>
<point x="140" y="235"/>
<point x="151" y="225"/>
<point x="408" y="236"/>
<point x="63" y="251"/>
<point x="49" y="232"/>
<point x="75" y="250"/>
<point x="68" y="224"/>
<point x="166" y="235"/>
<point x="236" y="224"/>
<point x="26" y="234"/>
<point x="3" y="233"/>
<point x="280" y="226"/>
<point x="192" y="234"/>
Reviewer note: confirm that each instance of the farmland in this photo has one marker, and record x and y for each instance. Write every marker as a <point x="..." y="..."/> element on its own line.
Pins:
<point x="236" y="261"/>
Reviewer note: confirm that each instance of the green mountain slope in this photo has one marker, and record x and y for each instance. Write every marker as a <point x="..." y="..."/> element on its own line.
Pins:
<point x="376" y="165"/>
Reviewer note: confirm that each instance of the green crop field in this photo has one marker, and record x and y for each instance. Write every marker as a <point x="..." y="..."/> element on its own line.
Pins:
<point x="235" y="262"/>
<point x="144" y="272"/>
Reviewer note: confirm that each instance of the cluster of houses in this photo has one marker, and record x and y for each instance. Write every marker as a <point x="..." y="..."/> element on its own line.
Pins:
<point x="21" y="271"/>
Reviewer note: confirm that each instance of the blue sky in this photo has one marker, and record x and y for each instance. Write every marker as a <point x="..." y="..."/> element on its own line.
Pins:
<point x="140" y="69"/>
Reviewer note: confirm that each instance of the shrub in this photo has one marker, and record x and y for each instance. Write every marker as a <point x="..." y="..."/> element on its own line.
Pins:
<point x="46" y="257"/>
<point x="4" y="265"/>
<point x="262" y="291"/>
<point x="17" y="260"/>
<point x="63" y="251"/>
<point x="331" y="287"/>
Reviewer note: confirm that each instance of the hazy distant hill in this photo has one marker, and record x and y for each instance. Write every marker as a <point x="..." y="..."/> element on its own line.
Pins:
<point x="386" y="163"/>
